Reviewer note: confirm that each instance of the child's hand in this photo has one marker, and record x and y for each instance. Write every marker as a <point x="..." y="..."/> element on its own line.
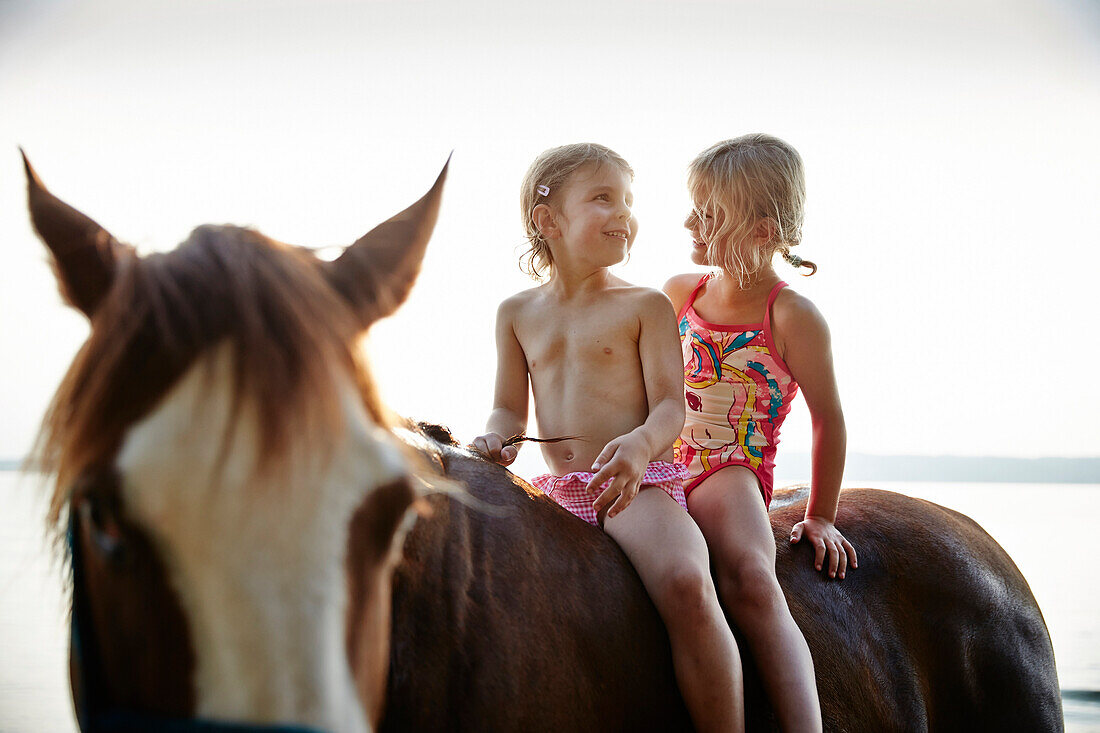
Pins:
<point x="825" y="537"/>
<point x="624" y="461"/>
<point x="491" y="445"/>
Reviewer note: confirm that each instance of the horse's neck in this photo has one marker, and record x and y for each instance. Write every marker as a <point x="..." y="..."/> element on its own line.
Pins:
<point x="259" y="569"/>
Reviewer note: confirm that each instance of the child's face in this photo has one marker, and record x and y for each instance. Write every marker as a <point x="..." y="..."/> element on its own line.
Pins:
<point x="593" y="215"/>
<point x="707" y="221"/>
<point x="703" y="221"/>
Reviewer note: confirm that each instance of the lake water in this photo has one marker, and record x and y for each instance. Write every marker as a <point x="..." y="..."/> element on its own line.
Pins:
<point x="1044" y="527"/>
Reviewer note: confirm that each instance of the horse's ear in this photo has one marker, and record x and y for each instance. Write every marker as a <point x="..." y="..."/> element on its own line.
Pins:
<point x="376" y="273"/>
<point x="84" y="254"/>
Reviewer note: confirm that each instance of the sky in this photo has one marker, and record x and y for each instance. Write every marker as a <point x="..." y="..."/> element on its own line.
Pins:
<point x="950" y="147"/>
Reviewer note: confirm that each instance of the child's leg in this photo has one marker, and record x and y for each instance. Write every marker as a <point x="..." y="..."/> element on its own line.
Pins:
<point x="730" y="512"/>
<point x="670" y="555"/>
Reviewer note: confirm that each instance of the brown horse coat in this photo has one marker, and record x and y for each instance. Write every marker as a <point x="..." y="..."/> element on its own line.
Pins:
<point x="527" y="619"/>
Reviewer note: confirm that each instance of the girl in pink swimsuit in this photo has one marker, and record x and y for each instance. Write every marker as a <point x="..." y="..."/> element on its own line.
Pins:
<point x="749" y="344"/>
<point x="733" y="414"/>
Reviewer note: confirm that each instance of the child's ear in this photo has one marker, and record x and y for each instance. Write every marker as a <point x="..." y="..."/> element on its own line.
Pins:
<point x="544" y="220"/>
<point x="765" y="230"/>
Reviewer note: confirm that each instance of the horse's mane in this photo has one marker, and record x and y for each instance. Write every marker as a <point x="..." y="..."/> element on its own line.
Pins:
<point x="288" y="330"/>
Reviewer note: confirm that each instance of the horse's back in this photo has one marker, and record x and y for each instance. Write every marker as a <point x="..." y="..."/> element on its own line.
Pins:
<point x="513" y="615"/>
<point x="520" y="617"/>
<point x="936" y="629"/>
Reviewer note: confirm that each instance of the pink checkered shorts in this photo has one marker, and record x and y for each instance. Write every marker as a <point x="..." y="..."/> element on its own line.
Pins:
<point x="568" y="490"/>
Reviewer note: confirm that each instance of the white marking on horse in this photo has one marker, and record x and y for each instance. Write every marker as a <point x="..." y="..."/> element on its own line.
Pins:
<point x="259" y="569"/>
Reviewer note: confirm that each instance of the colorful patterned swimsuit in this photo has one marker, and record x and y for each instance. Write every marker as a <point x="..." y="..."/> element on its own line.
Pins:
<point x="738" y="392"/>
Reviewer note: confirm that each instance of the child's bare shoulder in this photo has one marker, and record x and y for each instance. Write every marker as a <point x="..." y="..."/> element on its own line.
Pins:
<point x="682" y="284"/>
<point x="514" y="305"/>
<point x="794" y="313"/>
<point x="647" y="302"/>
<point x="678" y="288"/>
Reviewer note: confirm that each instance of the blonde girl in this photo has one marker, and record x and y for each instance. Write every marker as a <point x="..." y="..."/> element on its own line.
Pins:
<point x="600" y="356"/>
<point x="749" y="343"/>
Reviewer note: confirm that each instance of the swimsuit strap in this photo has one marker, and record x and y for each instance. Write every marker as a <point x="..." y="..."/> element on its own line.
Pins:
<point x="769" y="337"/>
<point x="768" y="308"/>
<point x="694" y="294"/>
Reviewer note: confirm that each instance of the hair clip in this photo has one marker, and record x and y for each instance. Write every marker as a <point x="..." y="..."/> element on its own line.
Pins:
<point x="795" y="260"/>
<point x="543" y="190"/>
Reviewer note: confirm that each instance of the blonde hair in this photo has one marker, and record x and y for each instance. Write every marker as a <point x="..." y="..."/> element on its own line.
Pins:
<point x="543" y="184"/>
<point x="750" y="179"/>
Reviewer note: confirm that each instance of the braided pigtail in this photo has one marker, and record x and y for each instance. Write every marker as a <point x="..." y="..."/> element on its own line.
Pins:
<point x="797" y="262"/>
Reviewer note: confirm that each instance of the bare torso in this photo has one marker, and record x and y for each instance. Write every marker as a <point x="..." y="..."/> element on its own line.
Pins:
<point x="586" y="373"/>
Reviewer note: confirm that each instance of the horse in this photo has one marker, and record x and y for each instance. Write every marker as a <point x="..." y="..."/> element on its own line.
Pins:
<point x="257" y="542"/>
<point x="936" y="630"/>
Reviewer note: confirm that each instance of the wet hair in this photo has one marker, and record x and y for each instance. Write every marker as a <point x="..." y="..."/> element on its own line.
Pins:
<point x="543" y="184"/>
<point x="748" y="180"/>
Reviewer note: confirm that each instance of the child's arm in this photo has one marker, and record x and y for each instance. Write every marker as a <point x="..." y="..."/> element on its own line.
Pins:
<point x="625" y="458"/>
<point x="809" y="356"/>
<point x="509" y="415"/>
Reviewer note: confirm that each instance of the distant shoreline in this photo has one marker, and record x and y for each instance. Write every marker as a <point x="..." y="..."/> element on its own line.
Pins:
<point x="968" y="469"/>
<point x="964" y="469"/>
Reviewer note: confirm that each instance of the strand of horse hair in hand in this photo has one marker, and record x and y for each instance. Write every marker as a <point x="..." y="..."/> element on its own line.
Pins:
<point x="521" y="438"/>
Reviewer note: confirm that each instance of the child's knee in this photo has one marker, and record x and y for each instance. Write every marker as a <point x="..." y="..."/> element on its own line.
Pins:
<point x="686" y="592"/>
<point x="751" y="587"/>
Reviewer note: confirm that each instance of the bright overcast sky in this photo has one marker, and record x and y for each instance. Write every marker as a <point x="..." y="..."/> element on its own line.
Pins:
<point x="951" y="151"/>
